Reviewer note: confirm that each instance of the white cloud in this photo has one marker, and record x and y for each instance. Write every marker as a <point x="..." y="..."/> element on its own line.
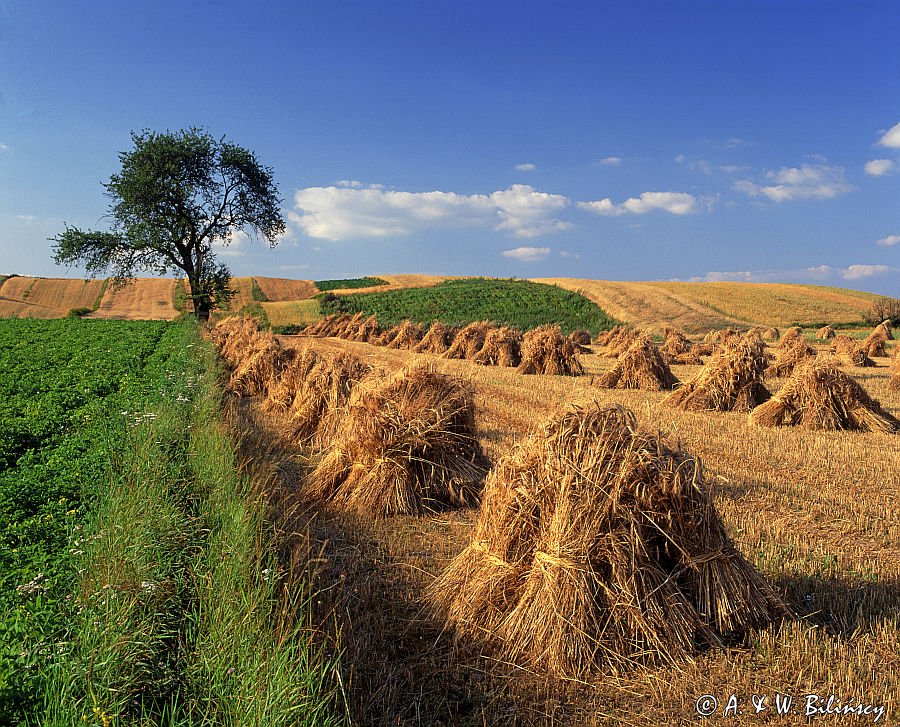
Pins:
<point x="352" y="183"/>
<point x="527" y="254"/>
<point x="857" y="272"/>
<point x="676" y="203"/>
<point x="808" y="181"/>
<point x="879" y="167"/>
<point x="568" y="254"/>
<point x="891" y="138"/>
<point x="526" y="167"/>
<point x="889" y="241"/>
<point x="235" y="247"/>
<point x="610" y="161"/>
<point x="3" y="147"/>
<point x="334" y="213"/>
<point x="816" y="273"/>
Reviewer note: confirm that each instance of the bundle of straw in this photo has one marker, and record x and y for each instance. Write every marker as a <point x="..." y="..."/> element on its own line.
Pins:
<point x="407" y="337"/>
<point x="873" y="345"/>
<point x="436" y="340"/>
<point x="502" y="347"/>
<point x="597" y="546"/>
<point x="619" y="341"/>
<point x="821" y="396"/>
<point x="850" y="352"/>
<point x="790" y="356"/>
<point x="730" y="381"/>
<point x="677" y="349"/>
<point x="406" y="445"/>
<point x="347" y="327"/>
<point x="261" y="363"/>
<point x="640" y="367"/>
<point x="825" y="333"/>
<point x="894" y="383"/>
<point x="468" y="341"/>
<point x="546" y="351"/>
<point x="792" y="334"/>
<point x="770" y="334"/>
<point x="317" y="407"/>
<point x="367" y="331"/>
<point x="289" y="381"/>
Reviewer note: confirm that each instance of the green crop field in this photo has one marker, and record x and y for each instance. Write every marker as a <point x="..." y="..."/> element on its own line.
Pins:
<point x="518" y="303"/>
<point x="341" y="284"/>
<point x="134" y="584"/>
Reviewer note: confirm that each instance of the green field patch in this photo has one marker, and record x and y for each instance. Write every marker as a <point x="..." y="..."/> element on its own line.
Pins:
<point x="518" y="303"/>
<point x="343" y="283"/>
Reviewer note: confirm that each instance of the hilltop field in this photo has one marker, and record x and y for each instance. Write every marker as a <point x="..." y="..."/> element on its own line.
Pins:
<point x="691" y="307"/>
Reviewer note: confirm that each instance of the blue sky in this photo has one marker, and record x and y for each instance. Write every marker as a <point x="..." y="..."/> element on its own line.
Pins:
<point x="629" y="140"/>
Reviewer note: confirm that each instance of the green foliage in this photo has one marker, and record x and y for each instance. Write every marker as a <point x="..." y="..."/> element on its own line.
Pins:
<point x="259" y="313"/>
<point x="140" y="584"/>
<point x="180" y="296"/>
<point x="176" y="195"/>
<point x="99" y="298"/>
<point x="63" y="387"/>
<point x="78" y="312"/>
<point x="519" y="303"/>
<point x="339" y="284"/>
<point x="256" y="293"/>
<point x="288" y="329"/>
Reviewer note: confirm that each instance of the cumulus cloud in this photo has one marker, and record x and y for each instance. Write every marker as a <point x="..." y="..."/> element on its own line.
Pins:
<point x="525" y="167"/>
<point x="610" y="161"/>
<point x="808" y="181"/>
<point x="527" y="254"/>
<point x="857" y="272"/>
<point x="816" y="273"/>
<point x="891" y="138"/>
<point x="341" y="213"/>
<point x="889" y="241"/>
<point x="676" y="203"/>
<point x="879" y="167"/>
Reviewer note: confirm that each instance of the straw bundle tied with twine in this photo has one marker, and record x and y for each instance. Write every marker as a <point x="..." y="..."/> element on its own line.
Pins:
<point x="794" y="333"/>
<point x="436" y="340"/>
<point x="261" y="362"/>
<point x="730" y="381"/>
<point x="406" y="445"/>
<point x="407" y="337"/>
<point x="825" y="333"/>
<point x="502" y="347"/>
<point x="677" y="349"/>
<point x="468" y="341"/>
<point x="546" y="351"/>
<point x="850" y="352"/>
<point x="789" y="356"/>
<point x="366" y="332"/>
<point x="316" y="410"/>
<point x="598" y="547"/>
<point x="873" y="345"/>
<point x="289" y="381"/>
<point x="620" y="338"/>
<point x="821" y="396"/>
<point x="894" y="383"/>
<point x="640" y="367"/>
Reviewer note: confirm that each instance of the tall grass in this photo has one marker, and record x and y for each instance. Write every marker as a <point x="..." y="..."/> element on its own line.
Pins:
<point x="177" y="618"/>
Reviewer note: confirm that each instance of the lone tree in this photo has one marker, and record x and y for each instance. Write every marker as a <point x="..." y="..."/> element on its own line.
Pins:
<point x="177" y="194"/>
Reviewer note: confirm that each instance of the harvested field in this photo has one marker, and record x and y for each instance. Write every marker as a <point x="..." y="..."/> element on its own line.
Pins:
<point x="60" y="294"/>
<point x="278" y="290"/>
<point x="144" y="299"/>
<point x="697" y="307"/>
<point x="243" y="293"/>
<point x="297" y="312"/>
<point x="397" y="282"/>
<point x="811" y="510"/>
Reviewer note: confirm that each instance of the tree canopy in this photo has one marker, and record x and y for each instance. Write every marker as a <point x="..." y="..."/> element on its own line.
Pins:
<point x="177" y="194"/>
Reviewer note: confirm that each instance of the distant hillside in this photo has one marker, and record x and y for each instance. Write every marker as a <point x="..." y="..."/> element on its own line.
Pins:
<point x="698" y="307"/>
<point x="692" y="307"/>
